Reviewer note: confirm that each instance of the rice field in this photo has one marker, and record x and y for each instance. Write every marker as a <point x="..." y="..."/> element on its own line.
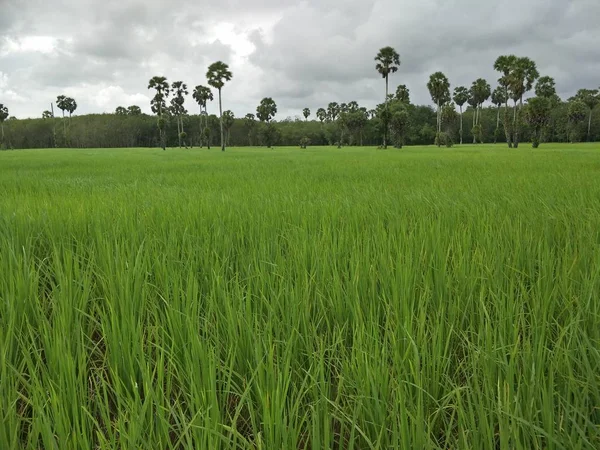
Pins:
<point x="282" y="298"/>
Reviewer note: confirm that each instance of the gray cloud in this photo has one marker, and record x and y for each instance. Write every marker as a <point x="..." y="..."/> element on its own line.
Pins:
<point x="300" y="53"/>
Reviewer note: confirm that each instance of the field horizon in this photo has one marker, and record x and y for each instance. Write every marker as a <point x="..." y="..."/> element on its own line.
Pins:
<point x="287" y="298"/>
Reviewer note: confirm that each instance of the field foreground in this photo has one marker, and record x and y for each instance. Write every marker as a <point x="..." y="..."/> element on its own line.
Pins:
<point x="300" y="299"/>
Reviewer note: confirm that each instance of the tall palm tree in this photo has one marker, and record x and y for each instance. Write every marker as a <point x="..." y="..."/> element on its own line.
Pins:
<point x="439" y="89"/>
<point x="521" y="78"/>
<point x="403" y="94"/>
<point x="504" y="64"/>
<point x="217" y="75"/>
<point x="321" y="114"/>
<point x="306" y="114"/>
<point x="545" y="87"/>
<point x="480" y="91"/>
<point x="461" y="95"/>
<point x="250" y="123"/>
<point x="498" y="99"/>
<point x="202" y="95"/>
<point x="3" y="117"/>
<point x="333" y="110"/>
<point x="159" y="105"/>
<point x="62" y="103"/>
<point x="228" y="121"/>
<point x="591" y="100"/>
<point x="388" y="61"/>
<point x="177" y="104"/>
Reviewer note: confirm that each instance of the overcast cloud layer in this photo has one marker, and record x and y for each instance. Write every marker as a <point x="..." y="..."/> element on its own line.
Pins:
<point x="303" y="54"/>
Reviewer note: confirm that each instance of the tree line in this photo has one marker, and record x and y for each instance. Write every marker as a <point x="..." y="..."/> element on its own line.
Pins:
<point x="511" y="119"/>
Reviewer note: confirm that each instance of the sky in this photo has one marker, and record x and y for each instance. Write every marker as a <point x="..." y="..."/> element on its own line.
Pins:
<point x="300" y="53"/>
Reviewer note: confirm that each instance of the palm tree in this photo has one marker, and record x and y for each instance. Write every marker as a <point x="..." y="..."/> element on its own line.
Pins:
<point x="333" y="110"/>
<point x="265" y="112"/>
<point x="321" y="114"/>
<point x="461" y="95"/>
<point x="250" y="122"/>
<point x="545" y="87"/>
<point x="591" y="100"/>
<point x="306" y="113"/>
<point x="180" y="90"/>
<point x="439" y="89"/>
<point x="388" y="61"/>
<point x="480" y="92"/>
<point x="218" y="74"/>
<point x="521" y="78"/>
<point x="498" y="99"/>
<point x="61" y="103"/>
<point x="403" y="94"/>
<point x="3" y="117"/>
<point x="228" y="121"/>
<point x="504" y="64"/>
<point x="159" y="105"/>
<point x="203" y="95"/>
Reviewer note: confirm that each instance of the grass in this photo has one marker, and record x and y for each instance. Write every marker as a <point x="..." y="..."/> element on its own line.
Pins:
<point x="300" y="299"/>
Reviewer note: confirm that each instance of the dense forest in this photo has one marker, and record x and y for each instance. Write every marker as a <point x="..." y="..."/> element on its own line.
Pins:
<point x="459" y="116"/>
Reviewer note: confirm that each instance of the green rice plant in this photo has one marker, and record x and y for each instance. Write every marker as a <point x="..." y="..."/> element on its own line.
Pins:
<point x="300" y="299"/>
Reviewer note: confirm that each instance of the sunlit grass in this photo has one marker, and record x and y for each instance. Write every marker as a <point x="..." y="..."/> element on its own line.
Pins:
<point x="300" y="299"/>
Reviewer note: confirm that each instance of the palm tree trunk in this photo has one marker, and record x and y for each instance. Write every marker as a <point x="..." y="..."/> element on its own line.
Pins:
<point x="474" y="125"/>
<point x="2" y="126"/>
<point x="221" y="117"/>
<point x="64" y="128"/>
<point x="590" y="125"/>
<point x="385" y="122"/>
<point x="461" y="125"/>
<point x="517" y="124"/>
<point x="506" y="128"/>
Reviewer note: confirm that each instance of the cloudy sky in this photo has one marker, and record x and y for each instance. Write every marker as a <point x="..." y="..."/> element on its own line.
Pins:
<point x="303" y="54"/>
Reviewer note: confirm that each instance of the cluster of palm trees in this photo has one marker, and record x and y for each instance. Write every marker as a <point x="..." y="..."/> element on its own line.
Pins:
<point x="518" y="76"/>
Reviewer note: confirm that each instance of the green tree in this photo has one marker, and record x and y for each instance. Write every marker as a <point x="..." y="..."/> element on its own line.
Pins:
<point x="480" y="92"/>
<point x="591" y="99"/>
<point x="159" y="106"/>
<point x="218" y="74"/>
<point x="388" y="62"/>
<point x="321" y="114"/>
<point x="228" y="121"/>
<point x="403" y="94"/>
<point x="333" y="110"/>
<point x="62" y="104"/>
<point x="120" y="111"/>
<point x="439" y="89"/>
<point x="498" y="99"/>
<point x="306" y="113"/>
<point x="537" y="115"/>
<point x="521" y="78"/>
<point x="399" y="122"/>
<point x="576" y="113"/>
<point x="461" y="95"/>
<point x="504" y="65"/>
<point x="265" y="111"/>
<point x="203" y="95"/>
<point x="134" y="110"/>
<point x="3" y="117"/>
<point x="250" y="124"/>
<point x="545" y="87"/>
<point x="180" y="90"/>
<point x="47" y="115"/>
